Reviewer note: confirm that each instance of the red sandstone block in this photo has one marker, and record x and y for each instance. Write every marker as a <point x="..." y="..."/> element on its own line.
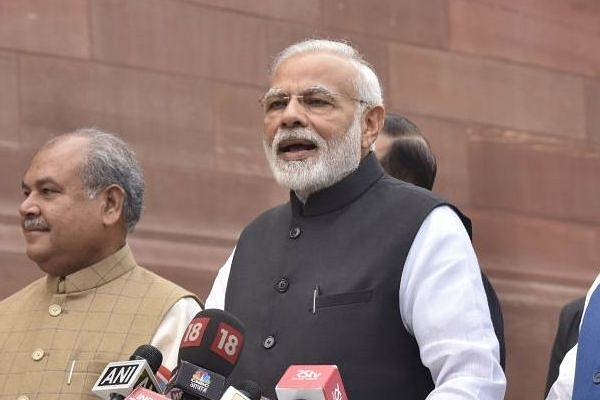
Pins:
<point x="14" y="161"/>
<point x="374" y="50"/>
<point x="489" y="30"/>
<point x="9" y="99"/>
<point x="449" y="142"/>
<point x="167" y="119"/>
<point x="479" y="90"/>
<point x="512" y="244"/>
<point x="583" y="15"/>
<point x="296" y="10"/>
<point x="181" y="37"/>
<point x="57" y="27"/>
<point x="239" y="130"/>
<point x="413" y="21"/>
<point x="530" y="317"/>
<point x="206" y="202"/>
<point x="592" y="110"/>
<point x="545" y="177"/>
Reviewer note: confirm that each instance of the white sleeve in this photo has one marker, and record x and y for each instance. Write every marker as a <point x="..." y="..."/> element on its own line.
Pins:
<point x="170" y="331"/>
<point x="562" y="389"/>
<point x="444" y="305"/>
<point x="216" y="297"/>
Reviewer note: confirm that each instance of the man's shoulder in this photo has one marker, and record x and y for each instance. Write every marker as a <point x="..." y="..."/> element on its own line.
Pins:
<point x="573" y="309"/>
<point x="272" y="214"/>
<point x="393" y="190"/>
<point x="160" y="286"/>
<point x="33" y="288"/>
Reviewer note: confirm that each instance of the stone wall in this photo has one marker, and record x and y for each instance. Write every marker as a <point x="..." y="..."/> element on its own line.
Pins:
<point x="507" y="91"/>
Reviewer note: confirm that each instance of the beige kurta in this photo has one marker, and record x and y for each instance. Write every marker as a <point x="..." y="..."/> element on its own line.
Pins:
<point x="58" y="334"/>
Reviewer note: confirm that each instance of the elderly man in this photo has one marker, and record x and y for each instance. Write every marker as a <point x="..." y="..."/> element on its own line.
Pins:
<point x="82" y="194"/>
<point x="359" y="269"/>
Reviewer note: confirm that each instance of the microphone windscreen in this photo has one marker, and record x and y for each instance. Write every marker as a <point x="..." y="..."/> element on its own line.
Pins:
<point x="213" y="340"/>
<point x="251" y="388"/>
<point x="151" y="354"/>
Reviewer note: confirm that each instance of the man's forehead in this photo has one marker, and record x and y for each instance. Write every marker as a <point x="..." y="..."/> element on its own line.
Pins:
<point x="57" y="159"/>
<point x="314" y="69"/>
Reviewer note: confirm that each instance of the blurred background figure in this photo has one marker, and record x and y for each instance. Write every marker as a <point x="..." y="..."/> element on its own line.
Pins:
<point x="405" y="153"/>
<point x="567" y="333"/>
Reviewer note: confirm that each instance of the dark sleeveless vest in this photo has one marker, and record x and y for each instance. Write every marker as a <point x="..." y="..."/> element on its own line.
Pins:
<point x="318" y="284"/>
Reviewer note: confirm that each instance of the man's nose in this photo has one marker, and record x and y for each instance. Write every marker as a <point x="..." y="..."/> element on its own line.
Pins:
<point x="28" y="207"/>
<point x="294" y="115"/>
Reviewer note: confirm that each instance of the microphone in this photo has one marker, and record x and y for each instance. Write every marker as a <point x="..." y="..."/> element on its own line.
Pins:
<point x="141" y="393"/>
<point x="120" y="378"/>
<point x="209" y="350"/>
<point x="245" y="390"/>
<point x="311" y="382"/>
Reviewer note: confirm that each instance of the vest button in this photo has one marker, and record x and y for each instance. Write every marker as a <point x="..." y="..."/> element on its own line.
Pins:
<point x="295" y="232"/>
<point x="282" y="286"/>
<point x="22" y="397"/>
<point x="269" y="342"/>
<point x="54" y="310"/>
<point x="596" y="377"/>
<point x="37" y="354"/>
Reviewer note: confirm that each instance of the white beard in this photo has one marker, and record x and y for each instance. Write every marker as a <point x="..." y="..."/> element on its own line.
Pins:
<point x="335" y="159"/>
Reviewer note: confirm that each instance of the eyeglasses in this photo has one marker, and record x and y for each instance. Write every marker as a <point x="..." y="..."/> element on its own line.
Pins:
<point x="316" y="101"/>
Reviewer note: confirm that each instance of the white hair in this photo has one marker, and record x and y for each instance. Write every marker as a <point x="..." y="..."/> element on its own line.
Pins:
<point x="367" y="86"/>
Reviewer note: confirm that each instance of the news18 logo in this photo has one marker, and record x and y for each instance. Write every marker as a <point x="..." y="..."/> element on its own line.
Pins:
<point x="194" y="332"/>
<point x="228" y="342"/>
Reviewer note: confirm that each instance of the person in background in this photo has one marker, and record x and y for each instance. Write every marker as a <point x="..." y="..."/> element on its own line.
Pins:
<point x="82" y="195"/>
<point x="567" y="333"/>
<point x="405" y="154"/>
<point x="359" y="269"/>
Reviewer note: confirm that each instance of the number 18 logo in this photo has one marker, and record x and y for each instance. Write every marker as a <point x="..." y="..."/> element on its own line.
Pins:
<point x="228" y="342"/>
<point x="194" y="332"/>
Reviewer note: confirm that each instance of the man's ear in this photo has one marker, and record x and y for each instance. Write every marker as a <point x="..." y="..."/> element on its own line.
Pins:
<point x="373" y="123"/>
<point x="112" y="204"/>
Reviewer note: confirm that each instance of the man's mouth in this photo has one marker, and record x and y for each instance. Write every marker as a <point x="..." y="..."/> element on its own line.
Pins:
<point x="296" y="149"/>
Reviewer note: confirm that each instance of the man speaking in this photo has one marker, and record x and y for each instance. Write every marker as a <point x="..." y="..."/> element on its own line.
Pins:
<point x="359" y="269"/>
<point x="82" y="194"/>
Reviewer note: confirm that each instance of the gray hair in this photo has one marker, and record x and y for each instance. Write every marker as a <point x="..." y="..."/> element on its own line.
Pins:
<point x="367" y="84"/>
<point x="110" y="161"/>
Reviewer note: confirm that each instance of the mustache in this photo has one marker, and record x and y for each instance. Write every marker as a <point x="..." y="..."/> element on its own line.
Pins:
<point x="297" y="133"/>
<point x="34" y="224"/>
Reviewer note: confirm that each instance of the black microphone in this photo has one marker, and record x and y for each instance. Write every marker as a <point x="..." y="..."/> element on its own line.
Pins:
<point x="209" y="350"/>
<point x="120" y="378"/>
<point x="244" y="390"/>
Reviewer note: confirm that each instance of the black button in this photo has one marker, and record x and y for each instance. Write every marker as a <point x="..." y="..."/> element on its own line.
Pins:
<point x="596" y="377"/>
<point x="269" y="342"/>
<point x="295" y="232"/>
<point x="282" y="286"/>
